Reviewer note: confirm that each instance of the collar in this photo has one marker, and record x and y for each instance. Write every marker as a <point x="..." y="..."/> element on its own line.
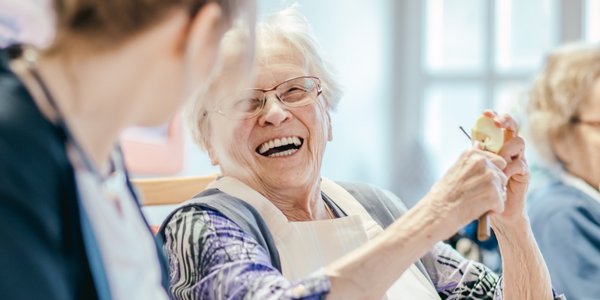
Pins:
<point x="580" y="185"/>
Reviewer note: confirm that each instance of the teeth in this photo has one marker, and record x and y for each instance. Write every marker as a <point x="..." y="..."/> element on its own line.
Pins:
<point x="284" y="153"/>
<point x="266" y="146"/>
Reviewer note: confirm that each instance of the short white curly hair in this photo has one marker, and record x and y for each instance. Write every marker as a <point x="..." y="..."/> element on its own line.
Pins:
<point x="287" y="26"/>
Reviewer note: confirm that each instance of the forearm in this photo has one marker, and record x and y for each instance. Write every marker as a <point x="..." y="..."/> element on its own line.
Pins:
<point x="525" y="273"/>
<point x="368" y="272"/>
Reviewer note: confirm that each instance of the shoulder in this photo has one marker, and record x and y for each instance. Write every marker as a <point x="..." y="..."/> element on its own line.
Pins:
<point x="370" y="191"/>
<point x="560" y="212"/>
<point x="34" y="168"/>
<point x="26" y="134"/>
<point x="212" y="207"/>
<point x="194" y="220"/>
<point x="229" y="206"/>
<point x="558" y="201"/>
<point x="383" y="206"/>
<point x="20" y="119"/>
<point x="366" y="189"/>
<point x="196" y="211"/>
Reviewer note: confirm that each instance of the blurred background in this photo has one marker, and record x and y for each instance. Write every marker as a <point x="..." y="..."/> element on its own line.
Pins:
<point x="413" y="71"/>
<point x="416" y="70"/>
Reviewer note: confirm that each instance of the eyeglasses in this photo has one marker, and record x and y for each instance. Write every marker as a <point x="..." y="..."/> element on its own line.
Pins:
<point x="578" y="120"/>
<point x="294" y="92"/>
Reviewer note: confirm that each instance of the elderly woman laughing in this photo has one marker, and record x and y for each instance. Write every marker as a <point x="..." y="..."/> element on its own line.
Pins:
<point x="272" y="228"/>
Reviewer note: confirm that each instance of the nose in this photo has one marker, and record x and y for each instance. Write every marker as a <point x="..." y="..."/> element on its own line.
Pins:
<point x="273" y="113"/>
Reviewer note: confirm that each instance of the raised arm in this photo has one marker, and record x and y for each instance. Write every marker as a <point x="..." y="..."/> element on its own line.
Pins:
<point x="479" y="182"/>
<point x="474" y="185"/>
<point x="525" y="272"/>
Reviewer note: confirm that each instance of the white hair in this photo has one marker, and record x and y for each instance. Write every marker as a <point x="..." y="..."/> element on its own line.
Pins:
<point x="557" y="92"/>
<point x="291" y="27"/>
<point x="288" y="26"/>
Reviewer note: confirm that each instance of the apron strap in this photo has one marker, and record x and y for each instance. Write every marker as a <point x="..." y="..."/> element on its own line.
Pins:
<point x="236" y="210"/>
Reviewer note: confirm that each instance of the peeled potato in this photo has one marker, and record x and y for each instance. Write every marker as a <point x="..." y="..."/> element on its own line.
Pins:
<point x="488" y="134"/>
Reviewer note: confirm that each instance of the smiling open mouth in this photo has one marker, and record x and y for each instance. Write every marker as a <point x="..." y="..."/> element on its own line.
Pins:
<point x="280" y="147"/>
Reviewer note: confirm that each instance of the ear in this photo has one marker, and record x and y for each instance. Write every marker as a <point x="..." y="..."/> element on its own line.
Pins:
<point x="211" y="154"/>
<point x="329" y="128"/>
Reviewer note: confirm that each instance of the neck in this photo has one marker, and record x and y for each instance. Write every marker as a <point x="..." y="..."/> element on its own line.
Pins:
<point x="301" y="203"/>
<point x="92" y="103"/>
<point x="89" y="104"/>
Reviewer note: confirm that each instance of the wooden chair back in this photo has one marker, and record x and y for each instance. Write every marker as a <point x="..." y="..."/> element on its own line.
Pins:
<point x="171" y="190"/>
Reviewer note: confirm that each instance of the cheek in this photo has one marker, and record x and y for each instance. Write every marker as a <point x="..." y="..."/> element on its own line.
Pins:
<point x="233" y="138"/>
<point x="317" y="122"/>
<point x="594" y="150"/>
<point x="321" y="121"/>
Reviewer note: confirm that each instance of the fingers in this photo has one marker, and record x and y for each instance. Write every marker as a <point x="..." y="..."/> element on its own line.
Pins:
<point x="514" y="146"/>
<point x="478" y="145"/>
<point x="491" y="164"/>
<point x="505" y="121"/>
<point x="516" y="167"/>
<point x="513" y="149"/>
<point x="498" y="183"/>
<point x="497" y="160"/>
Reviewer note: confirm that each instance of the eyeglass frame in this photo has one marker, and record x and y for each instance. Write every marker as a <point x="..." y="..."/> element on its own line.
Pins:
<point x="274" y="88"/>
<point x="578" y="120"/>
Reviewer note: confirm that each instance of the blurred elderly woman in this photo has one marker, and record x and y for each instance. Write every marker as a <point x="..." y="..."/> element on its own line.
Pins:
<point x="272" y="228"/>
<point x="563" y="121"/>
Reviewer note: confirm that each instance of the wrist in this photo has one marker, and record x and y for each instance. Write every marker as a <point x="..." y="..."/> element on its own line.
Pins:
<point x="440" y="216"/>
<point x="514" y="231"/>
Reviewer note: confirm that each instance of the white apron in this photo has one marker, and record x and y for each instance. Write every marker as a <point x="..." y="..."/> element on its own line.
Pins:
<point x="306" y="247"/>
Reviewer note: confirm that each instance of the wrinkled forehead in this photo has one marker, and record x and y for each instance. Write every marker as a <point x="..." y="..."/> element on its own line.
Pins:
<point x="277" y="61"/>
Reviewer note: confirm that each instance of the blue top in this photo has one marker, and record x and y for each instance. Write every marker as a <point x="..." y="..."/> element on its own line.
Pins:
<point x="565" y="218"/>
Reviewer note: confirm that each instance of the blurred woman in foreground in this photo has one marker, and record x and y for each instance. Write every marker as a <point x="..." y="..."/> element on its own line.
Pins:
<point x="71" y="223"/>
